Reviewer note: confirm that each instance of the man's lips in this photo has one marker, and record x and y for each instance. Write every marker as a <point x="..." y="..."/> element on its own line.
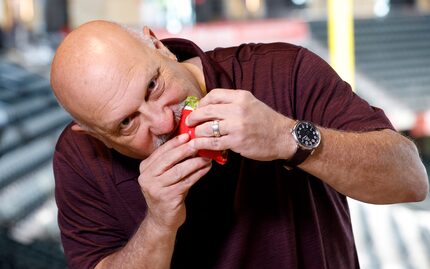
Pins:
<point x="177" y="111"/>
<point x="177" y="114"/>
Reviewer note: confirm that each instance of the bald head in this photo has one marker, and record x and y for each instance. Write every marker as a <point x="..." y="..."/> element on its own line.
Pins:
<point x="93" y="58"/>
<point x="123" y="87"/>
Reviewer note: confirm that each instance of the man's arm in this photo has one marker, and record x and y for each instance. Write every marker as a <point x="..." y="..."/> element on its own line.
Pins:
<point x="375" y="167"/>
<point x="166" y="176"/>
<point x="150" y="247"/>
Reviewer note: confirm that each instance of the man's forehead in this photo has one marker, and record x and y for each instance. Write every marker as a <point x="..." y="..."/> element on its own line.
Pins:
<point x="92" y="71"/>
<point x="107" y="75"/>
<point x="104" y="119"/>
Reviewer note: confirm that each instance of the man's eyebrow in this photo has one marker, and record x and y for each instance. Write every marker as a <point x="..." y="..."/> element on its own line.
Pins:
<point x="111" y="126"/>
<point x="108" y="128"/>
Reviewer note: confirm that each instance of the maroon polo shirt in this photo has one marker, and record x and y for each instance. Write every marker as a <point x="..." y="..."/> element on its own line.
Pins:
<point x="245" y="214"/>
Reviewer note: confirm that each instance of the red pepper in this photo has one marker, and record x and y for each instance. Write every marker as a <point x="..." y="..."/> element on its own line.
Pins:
<point x="190" y="104"/>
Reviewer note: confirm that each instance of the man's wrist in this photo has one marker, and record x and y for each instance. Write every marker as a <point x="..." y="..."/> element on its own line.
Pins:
<point x="289" y="146"/>
<point x="307" y="138"/>
<point x="157" y="229"/>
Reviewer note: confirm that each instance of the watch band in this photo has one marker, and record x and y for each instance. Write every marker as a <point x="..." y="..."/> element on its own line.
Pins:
<point x="303" y="148"/>
<point x="298" y="157"/>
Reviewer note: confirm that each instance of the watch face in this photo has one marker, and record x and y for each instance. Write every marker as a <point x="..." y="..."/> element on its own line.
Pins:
<point x="307" y="135"/>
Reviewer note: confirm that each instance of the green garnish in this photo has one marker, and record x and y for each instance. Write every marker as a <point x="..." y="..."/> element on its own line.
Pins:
<point x="192" y="101"/>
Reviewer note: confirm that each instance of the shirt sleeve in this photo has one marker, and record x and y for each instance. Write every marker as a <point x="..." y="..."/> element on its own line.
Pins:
<point x="89" y="231"/>
<point x="325" y="99"/>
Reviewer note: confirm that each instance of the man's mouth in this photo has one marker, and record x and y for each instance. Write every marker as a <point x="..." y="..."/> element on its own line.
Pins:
<point x="177" y="113"/>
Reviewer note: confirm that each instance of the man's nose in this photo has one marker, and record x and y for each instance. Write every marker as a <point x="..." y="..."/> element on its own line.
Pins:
<point x="161" y="121"/>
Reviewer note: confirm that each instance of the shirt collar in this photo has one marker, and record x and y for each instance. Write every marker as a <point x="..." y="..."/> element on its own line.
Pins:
<point x="215" y="75"/>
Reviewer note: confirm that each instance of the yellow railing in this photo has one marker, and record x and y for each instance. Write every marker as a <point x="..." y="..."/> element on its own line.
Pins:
<point x="341" y="38"/>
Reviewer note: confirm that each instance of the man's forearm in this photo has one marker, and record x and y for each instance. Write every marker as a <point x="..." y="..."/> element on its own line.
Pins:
<point x="375" y="167"/>
<point x="150" y="247"/>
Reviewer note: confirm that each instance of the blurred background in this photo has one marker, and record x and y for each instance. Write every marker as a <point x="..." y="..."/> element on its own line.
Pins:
<point x="382" y="47"/>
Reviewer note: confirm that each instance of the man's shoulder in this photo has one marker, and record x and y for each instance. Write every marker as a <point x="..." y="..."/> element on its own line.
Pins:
<point x="247" y="51"/>
<point x="70" y="143"/>
<point x="68" y="136"/>
<point x="89" y="153"/>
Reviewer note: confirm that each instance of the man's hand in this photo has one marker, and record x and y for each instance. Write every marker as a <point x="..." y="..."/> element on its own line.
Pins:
<point x="247" y="126"/>
<point x="165" y="178"/>
<point x="385" y="166"/>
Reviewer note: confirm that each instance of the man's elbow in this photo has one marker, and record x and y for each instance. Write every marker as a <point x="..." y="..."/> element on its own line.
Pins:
<point x="420" y="189"/>
<point x="418" y="177"/>
<point x="415" y="174"/>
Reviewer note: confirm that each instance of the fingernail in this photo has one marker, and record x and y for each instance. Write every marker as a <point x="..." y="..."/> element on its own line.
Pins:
<point x="186" y="121"/>
<point x="183" y="137"/>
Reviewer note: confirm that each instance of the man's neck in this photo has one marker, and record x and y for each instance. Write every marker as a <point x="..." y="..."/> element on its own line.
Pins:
<point x="194" y="65"/>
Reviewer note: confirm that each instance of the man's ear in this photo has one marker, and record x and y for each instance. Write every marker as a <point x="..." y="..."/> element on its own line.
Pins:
<point x="83" y="130"/>
<point x="158" y="44"/>
<point x="78" y="128"/>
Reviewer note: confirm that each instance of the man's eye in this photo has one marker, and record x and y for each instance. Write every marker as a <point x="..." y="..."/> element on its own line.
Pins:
<point x="151" y="87"/>
<point x="126" y="122"/>
<point x="152" y="84"/>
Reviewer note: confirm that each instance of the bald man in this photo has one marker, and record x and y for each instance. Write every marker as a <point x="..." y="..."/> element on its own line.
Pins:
<point x="131" y="194"/>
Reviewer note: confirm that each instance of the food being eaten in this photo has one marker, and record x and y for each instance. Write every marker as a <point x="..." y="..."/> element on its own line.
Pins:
<point x="190" y="104"/>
